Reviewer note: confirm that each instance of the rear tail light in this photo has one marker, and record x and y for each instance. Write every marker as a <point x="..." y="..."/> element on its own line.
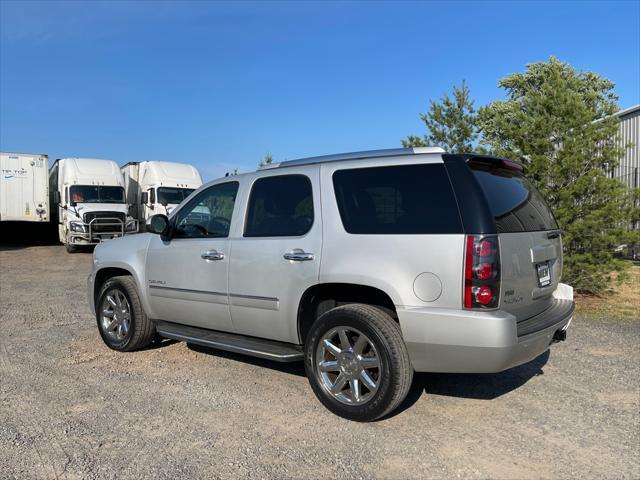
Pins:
<point x="481" y="272"/>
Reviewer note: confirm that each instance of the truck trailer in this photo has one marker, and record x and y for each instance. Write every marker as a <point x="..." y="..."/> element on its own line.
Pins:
<point x="24" y="190"/>
<point x="157" y="187"/>
<point x="90" y="203"/>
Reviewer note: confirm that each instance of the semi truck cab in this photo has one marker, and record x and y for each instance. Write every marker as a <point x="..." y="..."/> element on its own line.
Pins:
<point x="90" y="201"/>
<point x="154" y="187"/>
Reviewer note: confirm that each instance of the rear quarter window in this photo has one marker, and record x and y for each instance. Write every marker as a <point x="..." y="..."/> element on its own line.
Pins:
<point x="515" y="203"/>
<point x="403" y="199"/>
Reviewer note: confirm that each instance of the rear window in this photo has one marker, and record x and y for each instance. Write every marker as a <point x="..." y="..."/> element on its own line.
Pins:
<point x="514" y="202"/>
<point x="403" y="199"/>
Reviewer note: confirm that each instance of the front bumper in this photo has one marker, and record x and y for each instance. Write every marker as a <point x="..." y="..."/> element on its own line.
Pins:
<point x="100" y="229"/>
<point x="460" y="341"/>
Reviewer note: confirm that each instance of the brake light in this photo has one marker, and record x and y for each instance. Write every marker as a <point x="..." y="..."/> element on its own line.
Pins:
<point x="510" y="165"/>
<point x="481" y="272"/>
<point x="484" y="271"/>
<point x="483" y="295"/>
<point x="484" y="248"/>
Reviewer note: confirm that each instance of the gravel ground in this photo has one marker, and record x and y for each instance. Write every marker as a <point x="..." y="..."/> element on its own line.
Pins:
<point x="72" y="408"/>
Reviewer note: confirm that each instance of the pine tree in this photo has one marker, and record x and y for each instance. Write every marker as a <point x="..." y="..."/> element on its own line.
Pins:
<point x="559" y="123"/>
<point x="450" y="123"/>
<point x="266" y="160"/>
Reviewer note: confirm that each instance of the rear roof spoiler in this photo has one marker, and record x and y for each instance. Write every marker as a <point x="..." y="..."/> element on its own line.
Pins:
<point x="492" y="161"/>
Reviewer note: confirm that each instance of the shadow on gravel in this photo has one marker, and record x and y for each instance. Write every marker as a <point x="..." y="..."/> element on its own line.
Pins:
<point x="478" y="386"/>
<point x="294" y="368"/>
<point x="18" y="235"/>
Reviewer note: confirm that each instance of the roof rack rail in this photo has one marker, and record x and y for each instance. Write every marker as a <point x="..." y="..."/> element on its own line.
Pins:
<point x="389" y="152"/>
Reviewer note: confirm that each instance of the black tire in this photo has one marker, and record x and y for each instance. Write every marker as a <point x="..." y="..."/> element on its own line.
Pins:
<point x="384" y="334"/>
<point x="141" y="331"/>
<point x="71" y="248"/>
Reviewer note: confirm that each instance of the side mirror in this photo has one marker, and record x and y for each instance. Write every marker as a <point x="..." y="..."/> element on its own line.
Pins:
<point x="159" y="224"/>
<point x="56" y="197"/>
<point x="144" y="198"/>
<point x="72" y="203"/>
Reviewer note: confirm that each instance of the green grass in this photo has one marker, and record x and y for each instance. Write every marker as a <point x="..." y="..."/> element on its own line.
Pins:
<point x="623" y="303"/>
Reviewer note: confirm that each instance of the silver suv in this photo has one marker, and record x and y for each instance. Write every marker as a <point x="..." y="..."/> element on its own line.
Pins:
<point x="368" y="266"/>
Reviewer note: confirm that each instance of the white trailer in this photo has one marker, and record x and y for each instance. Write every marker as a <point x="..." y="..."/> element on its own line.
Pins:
<point x="89" y="199"/>
<point x="24" y="190"/>
<point x="158" y="187"/>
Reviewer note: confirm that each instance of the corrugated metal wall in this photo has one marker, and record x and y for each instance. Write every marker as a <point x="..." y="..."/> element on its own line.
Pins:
<point x="629" y="132"/>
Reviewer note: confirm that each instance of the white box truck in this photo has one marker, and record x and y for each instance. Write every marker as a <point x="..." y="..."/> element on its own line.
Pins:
<point x="24" y="189"/>
<point x="89" y="199"/>
<point x="158" y="187"/>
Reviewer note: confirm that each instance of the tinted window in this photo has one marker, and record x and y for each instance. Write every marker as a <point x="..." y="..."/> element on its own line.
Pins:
<point x="171" y="195"/>
<point x="280" y="207"/>
<point x="209" y="213"/>
<point x="406" y="199"/>
<point x="514" y="202"/>
<point x="96" y="194"/>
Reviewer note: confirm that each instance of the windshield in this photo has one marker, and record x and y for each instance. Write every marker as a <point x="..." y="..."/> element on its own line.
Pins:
<point x="96" y="194"/>
<point x="173" y="196"/>
<point x="514" y="201"/>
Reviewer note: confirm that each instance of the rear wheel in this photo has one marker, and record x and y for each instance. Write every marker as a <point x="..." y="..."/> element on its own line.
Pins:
<point x="357" y="362"/>
<point x="122" y="323"/>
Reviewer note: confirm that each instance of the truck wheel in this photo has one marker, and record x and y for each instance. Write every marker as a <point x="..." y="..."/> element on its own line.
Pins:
<point x="122" y="323"/>
<point x="357" y="363"/>
<point x="71" y="248"/>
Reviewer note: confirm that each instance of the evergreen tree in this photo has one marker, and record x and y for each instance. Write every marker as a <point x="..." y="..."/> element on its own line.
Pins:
<point x="266" y="160"/>
<point x="559" y="123"/>
<point x="450" y="123"/>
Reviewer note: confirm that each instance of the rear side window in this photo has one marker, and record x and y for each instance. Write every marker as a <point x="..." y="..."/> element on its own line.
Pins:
<point x="280" y="206"/>
<point x="403" y="199"/>
<point x="514" y="202"/>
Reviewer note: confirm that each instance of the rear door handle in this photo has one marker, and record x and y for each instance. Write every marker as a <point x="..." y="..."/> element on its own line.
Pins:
<point x="298" y="256"/>
<point x="212" y="255"/>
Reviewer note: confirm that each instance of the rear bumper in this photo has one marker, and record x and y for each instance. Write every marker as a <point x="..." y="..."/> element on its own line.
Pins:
<point x="460" y="341"/>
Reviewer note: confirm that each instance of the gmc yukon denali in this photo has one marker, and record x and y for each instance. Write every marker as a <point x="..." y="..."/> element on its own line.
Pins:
<point x="367" y="266"/>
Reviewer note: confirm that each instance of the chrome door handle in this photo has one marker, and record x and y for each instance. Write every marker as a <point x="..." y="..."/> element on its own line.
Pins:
<point x="212" y="255"/>
<point x="298" y="256"/>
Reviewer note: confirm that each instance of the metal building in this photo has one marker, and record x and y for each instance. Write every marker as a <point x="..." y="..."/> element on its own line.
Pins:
<point x="628" y="169"/>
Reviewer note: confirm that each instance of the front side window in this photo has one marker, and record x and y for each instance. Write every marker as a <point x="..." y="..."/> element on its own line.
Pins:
<point x="208" y="214"/>
<point x="403" y="199"/>
<point x="173" y="196"/>
<point x="280" y="206"/>
<point x="96" y="194"/>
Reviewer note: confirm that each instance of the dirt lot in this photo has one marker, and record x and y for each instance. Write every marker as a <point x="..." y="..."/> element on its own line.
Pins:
<point x="71" y="408"/>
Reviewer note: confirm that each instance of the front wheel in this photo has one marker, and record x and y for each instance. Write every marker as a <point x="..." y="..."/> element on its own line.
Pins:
<point x="122" y="323"/>
<point x="357" y="363"/>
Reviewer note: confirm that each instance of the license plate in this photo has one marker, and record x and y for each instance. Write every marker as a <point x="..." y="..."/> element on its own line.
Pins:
<point x="544" y="274"/>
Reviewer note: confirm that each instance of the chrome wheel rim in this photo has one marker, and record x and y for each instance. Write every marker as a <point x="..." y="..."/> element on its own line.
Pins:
<point x="348" y="365"/>
<point x="116" y="315"/>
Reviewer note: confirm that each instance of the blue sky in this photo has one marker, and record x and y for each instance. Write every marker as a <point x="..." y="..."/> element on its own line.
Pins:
<point x="220" y="84"/>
